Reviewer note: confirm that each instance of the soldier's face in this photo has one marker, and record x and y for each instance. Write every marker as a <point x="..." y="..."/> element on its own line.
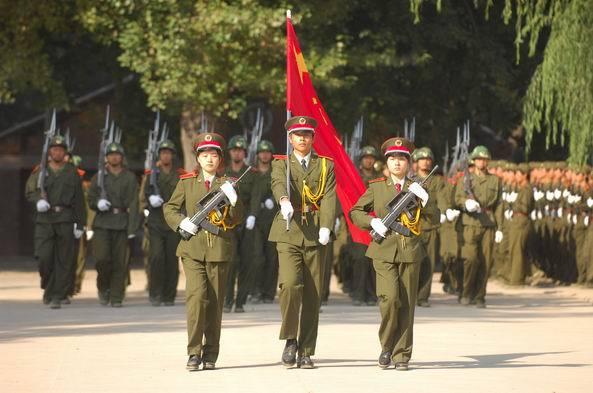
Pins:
<point x="264" y="157"/>
<point x="209" y="160"/>
<point x="481" y="163"/>
<point x="301" y="142"/>
<point x="398" y="165"/>
<point x="57" y="153"/>
<point x="425" y="164"/>
<point x="166" y="157"/>
<point x="367" y="162"/>
<point x="237" y="155"/>
<point x="115" y="159"/>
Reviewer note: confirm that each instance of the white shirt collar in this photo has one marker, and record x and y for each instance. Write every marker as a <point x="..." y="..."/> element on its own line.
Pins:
<point x="208" y="177"/>
<point x="401" y="182"/>
<point x="300" y="158"/>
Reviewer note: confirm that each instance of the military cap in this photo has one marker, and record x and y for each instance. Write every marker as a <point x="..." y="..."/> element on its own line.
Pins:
<point x="368" y="151"/>
<point x="167" y="144"/>
<point x="58" y="141"/>
<point x="209" y="140"/>
<point x="301" y="123"/>
<point x="480" y="151"/>
<point x="397" y="145"/>
<point x="264" y="145"/>
<point x="114" y="147"/>
<point x="76" y="160"/>
<point x="522" y="167"/>
<point x="237" y="142"/>
<point x="510" y="166"/>
<point x="423" y="152"/>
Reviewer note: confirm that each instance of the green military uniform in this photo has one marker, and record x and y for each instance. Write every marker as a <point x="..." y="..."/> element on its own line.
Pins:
<point x="519" y="230"/>
<point x="206" y="257"/>
<point x="112" y="229"/>
<point x="299" y="252"/>
<point x="55" y="243"/>
<point x="163" y="264"/>
<point x="430" y="230"/>
<point x="478" y="230"/>
<point x="242" y="270"/>
<point x="452" y="275"/>
<point x="264" y="208"/>
<point x="396" y="261"/>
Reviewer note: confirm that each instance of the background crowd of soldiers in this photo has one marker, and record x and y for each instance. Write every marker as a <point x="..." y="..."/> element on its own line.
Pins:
<point x="534" y="230"/>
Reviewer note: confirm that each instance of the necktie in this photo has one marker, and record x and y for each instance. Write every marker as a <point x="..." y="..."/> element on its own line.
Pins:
<point x="207" y="184"/>
<point x="398" y="187"/>
<point x="304" y="164"/>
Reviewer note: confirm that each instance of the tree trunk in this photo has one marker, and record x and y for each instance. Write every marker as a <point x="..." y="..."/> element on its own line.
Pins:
<point x="189" y="124"/>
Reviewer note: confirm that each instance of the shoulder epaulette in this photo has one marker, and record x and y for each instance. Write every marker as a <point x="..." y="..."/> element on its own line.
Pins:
<point x="279" y="156"/>
<point x="188" y="175"/>
<point x="329" y="158"/>
<point x="147" y="171"/>
<point x="35" y="168"/>
<point x="181" y="171"/>
<point x="81" y="172"/>
<point x="377" y="180"/>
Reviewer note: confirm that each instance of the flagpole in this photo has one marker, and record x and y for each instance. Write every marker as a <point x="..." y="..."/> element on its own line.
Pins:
<point x="288" y="115"/>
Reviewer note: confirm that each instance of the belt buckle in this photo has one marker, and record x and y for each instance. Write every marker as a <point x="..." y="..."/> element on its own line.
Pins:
<point x="58" y="209"/>
<point x="306" y="209"/>
<point x="116" y="210"/>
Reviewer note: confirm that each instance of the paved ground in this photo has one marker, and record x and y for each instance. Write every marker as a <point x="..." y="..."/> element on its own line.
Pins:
<point x="527" y="340"/>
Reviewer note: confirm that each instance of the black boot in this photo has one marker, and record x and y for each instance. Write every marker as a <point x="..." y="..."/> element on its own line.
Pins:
<point x="289" y="353"/>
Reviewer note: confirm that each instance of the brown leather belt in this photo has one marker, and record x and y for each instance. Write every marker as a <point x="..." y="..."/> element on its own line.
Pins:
<point x="307" y="209"/>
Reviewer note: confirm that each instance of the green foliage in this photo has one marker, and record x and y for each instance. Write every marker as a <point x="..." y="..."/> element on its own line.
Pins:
<point x="213" y="55"/>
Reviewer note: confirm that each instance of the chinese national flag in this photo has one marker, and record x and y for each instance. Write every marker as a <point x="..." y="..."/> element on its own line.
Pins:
<point x="301" y="100"/>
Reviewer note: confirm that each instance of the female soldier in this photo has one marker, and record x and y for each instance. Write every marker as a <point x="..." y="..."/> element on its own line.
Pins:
<point x="396" y="258"/>
<point x="205" y="256"/>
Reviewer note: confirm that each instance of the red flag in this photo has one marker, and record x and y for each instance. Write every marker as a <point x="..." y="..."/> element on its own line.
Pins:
<point x="302" y="100"/>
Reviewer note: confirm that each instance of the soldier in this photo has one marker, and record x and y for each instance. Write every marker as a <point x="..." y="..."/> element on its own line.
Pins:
<point x="452" y="276"/>
<point x="364" y="275"/>
<point x="424" y="159"/>
<point x="164" y="267"/>
<point x="480" y="222"/>
<point x="396" y="258"/>
<point x="241" y="269"/>
<point x="83" y="241"/>
<point x="312" y="194"/>
<point x="59" y="222"/>
<point x="206" y="257"/>
<point x="263" y="208"/>
<point x="115" y="224"/>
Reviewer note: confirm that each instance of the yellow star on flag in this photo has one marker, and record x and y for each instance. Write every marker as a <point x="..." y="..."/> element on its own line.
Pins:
<point x="300" y="60"/>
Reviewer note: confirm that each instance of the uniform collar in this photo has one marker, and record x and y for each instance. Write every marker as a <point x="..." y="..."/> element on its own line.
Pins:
<point x="300" y="158"/>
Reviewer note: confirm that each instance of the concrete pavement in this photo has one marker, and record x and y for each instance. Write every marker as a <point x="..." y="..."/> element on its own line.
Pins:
<point x="527" y="340"/>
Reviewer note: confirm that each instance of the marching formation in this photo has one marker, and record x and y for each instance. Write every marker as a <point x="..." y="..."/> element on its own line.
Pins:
<point x="270" y="225"/>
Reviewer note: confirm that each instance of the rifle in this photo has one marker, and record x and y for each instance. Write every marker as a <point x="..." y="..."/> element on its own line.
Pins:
<point x="49" y="134"/>
<point x="151" y="154"/>
<point x="355" y="142"/>
<point x="467" y="181"/>
<point x="446" y="159"/>
<point x="402" y="203"/>
<point x="213" y="201"/>
<point x="256" y="133"/>
<point x="101" y="164"/>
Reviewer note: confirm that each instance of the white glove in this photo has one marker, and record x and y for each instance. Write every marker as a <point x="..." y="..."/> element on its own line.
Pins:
<point x="508" y="214"/>
<point x="378" y="226"/>
<point x="498" y="237"/>
<point x="188" y="226"/>
<point x="337" y="225"/>
<point x="574" y="219"/>
<point x="443" y="218"/>
<point x="420" y="192"/>
<point x="323" y="236"/>
<point x="146" y="213"/>
<point x="578" y="198"/>
<point x="512" y="197"/>
<point x="586" y="221"/>
<point x="451" y="214"/>
<point x="570" y="199"/>
<point x="103" y="205"/>
<point x="78" y="232"/>
<point x="565" y="193"/>
<point x="550" y="195"/>
<point x="559" y="211"/>
<point x="230" y="192"/>
<point x="131" y="236"/>
<point x="557" y="194"/>
<point x="43" y="206"/>
<point x="568" y="218"/>
<point x="472" y="206"/>
<point x="537" y="195"/>
<point x="505" y="196"/>
<point x="540" y="215"/>
<point x="590" y="202"/>
<point x="89" y="235"/>
<point x="286" y="209"/>
<point x="533" y="215"/>
<point x="155" y="201"/>
<point x="269" y="204"/>
<point x="250" y="223"/>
